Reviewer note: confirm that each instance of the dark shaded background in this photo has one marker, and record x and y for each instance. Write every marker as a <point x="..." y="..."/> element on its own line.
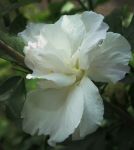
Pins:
<point x="117" y="131"/>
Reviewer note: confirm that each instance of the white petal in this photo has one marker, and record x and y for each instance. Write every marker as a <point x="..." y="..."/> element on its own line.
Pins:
<point x="74" y="28"/>
<point x="47" y="60"/>
<point x="93" y="109"/>
<point x="97" y="30"/>
<point x="53" y="80"/>
<point x="56" y="37"/>
<point x="92" y="20"/>
<point x="47" y="48"/>
<point x="54" y="112"/>
<point x="95" y="27"/>
<point x="109" y="60"/>
<point x="92" y="39"/>
<point x="46" y="33"/>
<point x="31" y="32"/>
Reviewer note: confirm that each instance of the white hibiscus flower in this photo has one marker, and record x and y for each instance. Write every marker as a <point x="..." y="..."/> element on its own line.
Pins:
<point x="66" y="56"/>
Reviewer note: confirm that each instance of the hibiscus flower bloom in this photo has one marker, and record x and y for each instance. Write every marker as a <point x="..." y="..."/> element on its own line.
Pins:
<point x="66" y="57"/>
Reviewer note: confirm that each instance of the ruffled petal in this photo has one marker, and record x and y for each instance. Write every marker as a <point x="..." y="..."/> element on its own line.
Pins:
<point x="74" y="28"/>
<point x="92" y="20"/>
<point x="109" y="60"/>
<point x="39" y="34"/>
<point x="31" y="32"/>
<point x="56" y="37"/>
<point x="53" y="80"/>
<point x="47" y="48"/>
<point x="54" y="112"/>
<point x="96" y="32"/>
<point x="93" y="109"/>
<point x="47" y="60"/>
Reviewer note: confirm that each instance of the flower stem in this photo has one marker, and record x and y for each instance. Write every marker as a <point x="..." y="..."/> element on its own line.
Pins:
<point x="13" y="54"/>
<point x="90" y="5"/>
<point x="82" y="4"/>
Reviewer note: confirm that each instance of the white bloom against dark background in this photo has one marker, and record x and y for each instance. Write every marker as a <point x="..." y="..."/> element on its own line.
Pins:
<point x="66" y="56"/>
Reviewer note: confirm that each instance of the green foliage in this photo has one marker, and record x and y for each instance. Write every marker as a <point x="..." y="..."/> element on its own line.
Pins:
<point x="15" y="5"/>
<point x="12" y="94"/>
<point x="122" y="21"/>
<point x="5" y="69"/>
<point x="13" y="41"/>
<point x="51" y="13"/>
<point x="67" y="7"/>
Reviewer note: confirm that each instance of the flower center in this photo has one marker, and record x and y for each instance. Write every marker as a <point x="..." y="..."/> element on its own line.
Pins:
<point x="78" y="71"/>
<point x="80" y="75"/>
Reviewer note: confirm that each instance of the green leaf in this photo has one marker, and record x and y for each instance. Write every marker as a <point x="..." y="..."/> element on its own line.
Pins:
<point x="13" y="92"/>
<point x="68" y="6"/>
<point x="12" y="41"/>
<point x="6" y="89"/>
